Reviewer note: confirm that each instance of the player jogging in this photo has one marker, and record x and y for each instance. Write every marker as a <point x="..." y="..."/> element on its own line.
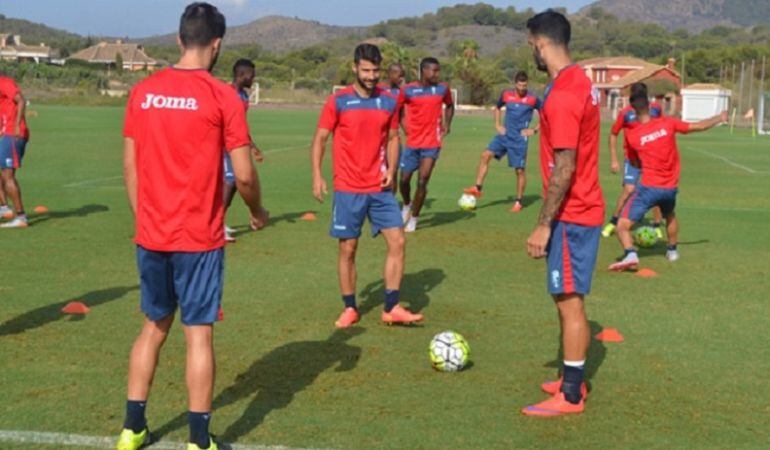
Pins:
<point x="512" y="137"/>
<point x="570" y="220"/>
<point x="14" y="136"/>
<point x="628" y="120"/>
<point x="364" y="121"/>
<point x="428" y="111"/>
<point x="243" y="79"/>
<point x="178" y="120"/>
<point x="653" y="144"/>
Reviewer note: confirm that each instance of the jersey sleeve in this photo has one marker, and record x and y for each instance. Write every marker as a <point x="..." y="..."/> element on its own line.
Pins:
<point x="236" y="129"/>
<point x="681" y="126"/>
<point x="328" y="119"/>
<point x="128" y="121"/>
<point x="564" y="109"/>
<point x="9" y="89"/>
<point x="448" y="97"/>
<point x="538" y="103"/>
<point x="618" y="124"/>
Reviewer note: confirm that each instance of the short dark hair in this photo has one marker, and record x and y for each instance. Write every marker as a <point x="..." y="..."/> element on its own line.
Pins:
<point x="640" y="102"/>
<point x="520" y="76"/>
<point x="200" y="24"/>
<point x="551" y="24"/>
<point x="639" y="88"/>
<point x="396" y="65"/>
<point x="367" y="52"/>
<point x="242" y="63"/>
<point x="427" y="62"/>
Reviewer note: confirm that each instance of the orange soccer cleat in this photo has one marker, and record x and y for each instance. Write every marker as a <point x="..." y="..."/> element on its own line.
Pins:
<point x="554" y="387"/>
<point x="348" y="317"/>
<point x="554" y="406"/>
<point x="474" y="191"/>
<point x="400" y="315"/>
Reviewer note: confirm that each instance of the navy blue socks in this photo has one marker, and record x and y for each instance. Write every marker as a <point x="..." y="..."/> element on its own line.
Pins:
<point x="350" y="301"/>
<point x="199" y="428"/>
<point x="573" y="380"/>
<point x="391" y="299"/>
<point x="135" y="420"/>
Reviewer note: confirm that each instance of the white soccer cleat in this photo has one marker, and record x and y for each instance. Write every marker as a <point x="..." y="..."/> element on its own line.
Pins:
<point x="229" y="230"/>
<point x="629" y="262"/>
<point x="18" y="222"/>
<point x="672" y="255"/>
<point x="229" y="234"/>
<point x="6" y="212"/>
<point x="406" y="213"/>
<point x="411" y="225"/>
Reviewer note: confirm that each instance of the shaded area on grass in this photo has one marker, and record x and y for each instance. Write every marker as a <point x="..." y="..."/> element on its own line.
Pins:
<point x="83" y="211"/>
<point x="51" y="313"/>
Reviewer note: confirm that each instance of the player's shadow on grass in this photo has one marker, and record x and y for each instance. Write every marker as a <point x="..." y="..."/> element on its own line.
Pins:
<point x="273" y="380"/>
<point x="51" y="313"/>
<point x="527" y="200"/>
<point x="444" y="218"/>
<point x="287" y="217"/>
<point x="414" y="290"/>
<point x="661" y="247"/>
<point x="597" y="351"/>
<point x="83" y="211"/>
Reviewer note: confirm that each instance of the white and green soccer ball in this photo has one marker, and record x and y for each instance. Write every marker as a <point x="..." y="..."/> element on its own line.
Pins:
<point x="467" y="202"/>
<point x="645" y="237"/>
<point x="449" y="352"/>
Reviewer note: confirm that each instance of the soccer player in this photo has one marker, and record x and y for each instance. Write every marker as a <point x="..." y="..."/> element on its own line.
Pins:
<point x="428" y="111"/>
<point x="569" y="225"/>
<point x="628" y="120"/>
<point x="14" y="136"/>
<point x="395" y="80"/>
<point x="364" y="120"/>
<point x="177" y="122"/>
<point x="243" y="79"/>
<point x="653" y="144"/>
<point x="512" y="137"/>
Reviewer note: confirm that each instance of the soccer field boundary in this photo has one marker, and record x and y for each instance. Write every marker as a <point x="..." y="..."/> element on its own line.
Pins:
<point x="85" y="441"/>
<point x="729" y="162"/>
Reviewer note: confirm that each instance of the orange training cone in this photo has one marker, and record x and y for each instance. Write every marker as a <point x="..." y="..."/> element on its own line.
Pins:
<point x="646" y="273"/>
<point x="40" y="209"/>
<point x="609" y="335"/>
<point x="308" y="216"/>
<point x="76" y="308"/>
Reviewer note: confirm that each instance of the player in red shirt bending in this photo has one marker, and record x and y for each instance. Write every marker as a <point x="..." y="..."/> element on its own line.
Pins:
<point x="428" y="112"/>
<point x="569" y="226"/>
<point x="364" y="120"/>
<point x="653" y="145"/>
<point x="628" y="120"/>
<point x="177" y="122"/>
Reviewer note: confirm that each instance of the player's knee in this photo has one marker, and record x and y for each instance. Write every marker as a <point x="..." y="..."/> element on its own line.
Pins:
<point x="397" y="244"/>
<point x="487" y="156"/>
<point x="422" y="183"/>
<point x="348" y="250"/>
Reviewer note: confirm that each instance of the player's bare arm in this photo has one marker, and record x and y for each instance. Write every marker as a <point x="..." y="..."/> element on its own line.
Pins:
<point x="317" y="151"/>
<point x="129" y="171"/>
<point x="614" y="164"/>
<point x="392" y="157"/>
<point x="446" y="124"/>
<point x="247" y="183"/>
<point x="558" y="185"/>
<point x="499" y="121"/>
<point x="706" y="124"/>
<point x="21" y="107"/>
<point x="257" y="153"/>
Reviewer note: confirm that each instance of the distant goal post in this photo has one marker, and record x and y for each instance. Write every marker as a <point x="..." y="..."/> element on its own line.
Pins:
<point x="455" y="94"/>
<point x="254" y="94"/>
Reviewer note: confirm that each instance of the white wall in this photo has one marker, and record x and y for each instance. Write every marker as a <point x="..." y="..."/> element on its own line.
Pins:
<point x="702" y="104"/>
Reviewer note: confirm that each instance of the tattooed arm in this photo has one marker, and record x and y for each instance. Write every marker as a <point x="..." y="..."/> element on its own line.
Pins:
<point x="558" y="185"/>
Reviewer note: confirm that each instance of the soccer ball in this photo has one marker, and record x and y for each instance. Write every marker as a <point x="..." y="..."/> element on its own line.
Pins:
<point x="645" y="237"/>
<point x="467" y="202"/>
<point x="449" y="352"/>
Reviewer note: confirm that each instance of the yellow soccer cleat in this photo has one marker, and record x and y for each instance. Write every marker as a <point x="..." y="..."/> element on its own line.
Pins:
<point x="129" y="440"/>
<point x="212" y="446"/>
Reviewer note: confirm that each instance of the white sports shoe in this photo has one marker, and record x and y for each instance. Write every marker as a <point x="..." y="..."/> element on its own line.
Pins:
<point x="230" y="230"/>
<point x="17" y="222"/>
<point x="629" y="262"/>
<point x="411" y="225"/>
<point x="229" y="234"/>
<point x="406" y="213"/>
<point x="6" y="212"/>
<point x="672" y="255"/>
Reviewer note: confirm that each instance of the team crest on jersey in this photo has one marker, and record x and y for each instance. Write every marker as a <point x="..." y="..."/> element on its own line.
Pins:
<point x="166" y="102"/>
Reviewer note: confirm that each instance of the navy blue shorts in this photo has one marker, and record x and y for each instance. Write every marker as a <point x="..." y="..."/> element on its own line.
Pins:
<point x="571" y="258"/>
<point x="350" y="210"/>
<point x="645" y="198"/>
<point x="11" y="152"/>
<point x="631" y="174"/>
<point x="515" y="149"/>
<point x="192" y="281"/>
<point x="229" y="173"/>
<point x="411" y="157"/>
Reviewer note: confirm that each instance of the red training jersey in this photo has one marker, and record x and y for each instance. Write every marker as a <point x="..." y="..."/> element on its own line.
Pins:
<point x="424" y="107"/>
<point x="180" y="120"/>
<point x="9" y="110"/>
<point x="654" y="145"/>
<point x="570" y="120"/>
<point x="361" y="127"/>
<point x="627" y="120"/>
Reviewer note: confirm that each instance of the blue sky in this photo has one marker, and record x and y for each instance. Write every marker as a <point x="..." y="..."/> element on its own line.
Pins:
<point x="138" y="18"/>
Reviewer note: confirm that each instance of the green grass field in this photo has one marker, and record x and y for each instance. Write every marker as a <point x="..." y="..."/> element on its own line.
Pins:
<point x="692" y="372"/>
